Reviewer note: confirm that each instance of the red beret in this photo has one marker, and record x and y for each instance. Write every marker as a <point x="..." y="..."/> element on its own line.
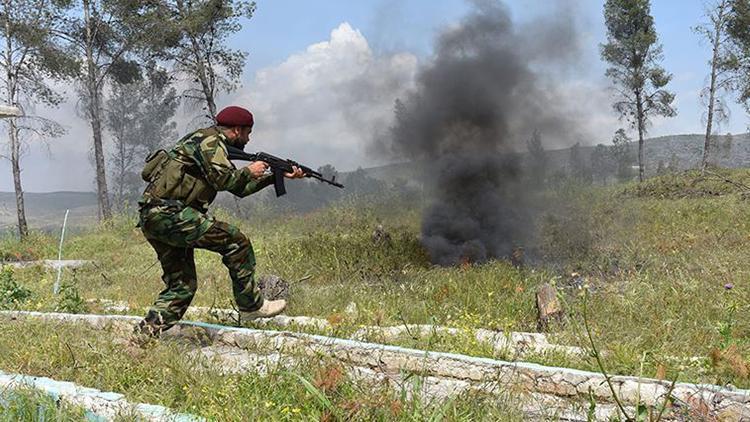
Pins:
<point x="234" y="116"/>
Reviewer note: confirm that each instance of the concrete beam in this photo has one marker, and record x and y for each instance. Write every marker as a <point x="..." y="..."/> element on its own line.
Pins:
<point x="99" y="405"/>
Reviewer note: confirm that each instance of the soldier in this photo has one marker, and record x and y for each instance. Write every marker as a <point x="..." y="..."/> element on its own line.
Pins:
<point x="182" y="183"/>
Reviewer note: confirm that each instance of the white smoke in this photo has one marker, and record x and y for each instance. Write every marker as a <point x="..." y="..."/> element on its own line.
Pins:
<point x="323" y="105"/>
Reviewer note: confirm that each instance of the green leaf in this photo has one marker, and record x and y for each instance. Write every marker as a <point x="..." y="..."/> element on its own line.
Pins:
<point x="313" y="391"/>
<point x="641" y="413"/>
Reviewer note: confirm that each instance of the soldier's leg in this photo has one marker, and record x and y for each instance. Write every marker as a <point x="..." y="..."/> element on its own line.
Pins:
<point x="180" y="282"/>
<point x="238" y="256"/>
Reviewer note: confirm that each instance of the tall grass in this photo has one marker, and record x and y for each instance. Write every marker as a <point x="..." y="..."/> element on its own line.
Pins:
<point x="29" y="405"/>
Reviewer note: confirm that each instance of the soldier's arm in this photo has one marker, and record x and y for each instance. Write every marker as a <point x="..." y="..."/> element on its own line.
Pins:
<point x="222" y="175"/>
<point x="253" y="186"/>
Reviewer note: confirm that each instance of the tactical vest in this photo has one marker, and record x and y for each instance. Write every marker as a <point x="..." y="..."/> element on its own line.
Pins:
<point x="177" y="174"/>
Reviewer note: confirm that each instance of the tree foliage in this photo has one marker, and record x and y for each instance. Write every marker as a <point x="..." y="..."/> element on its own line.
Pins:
<point x="194" y="41"/>
<point x="108" y="34"/>
<point x="738" y="60"/>
<point x="32" y="55"/>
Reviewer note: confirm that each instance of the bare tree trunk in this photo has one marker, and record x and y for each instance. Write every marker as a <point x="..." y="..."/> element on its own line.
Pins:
<point x="105" y="209"/>
<point x="206" y="85"/>
<point x="718" y="24"/>
<point x="15" y="146"/>
<point x="641" y="130"/>
<point x="122" y="163"/>
<point x="121" y="188"/>
<point x="15" y="159"/>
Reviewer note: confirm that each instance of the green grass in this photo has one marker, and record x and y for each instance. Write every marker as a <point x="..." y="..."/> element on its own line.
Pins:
<point x="166" y="373"/>
<point x="654" y="265"/>
<point x="692" y="184"/>
<point x="28" y="405"/>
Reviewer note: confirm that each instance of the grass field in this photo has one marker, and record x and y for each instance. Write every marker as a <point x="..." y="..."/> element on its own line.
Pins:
<point x="165" y="373"/>
<point x="32" y="405"/>
<point x="663" y="267"/>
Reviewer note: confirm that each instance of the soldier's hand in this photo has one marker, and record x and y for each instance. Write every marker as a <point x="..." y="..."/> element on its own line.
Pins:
<point x="258" y="168"/>
<point x="295" y="174"/>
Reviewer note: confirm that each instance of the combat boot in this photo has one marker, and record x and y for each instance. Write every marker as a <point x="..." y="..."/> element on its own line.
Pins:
<point x="270" y="308"/>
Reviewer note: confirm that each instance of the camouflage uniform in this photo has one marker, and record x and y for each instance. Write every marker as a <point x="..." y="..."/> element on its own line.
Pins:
<point x="182" y="184"/>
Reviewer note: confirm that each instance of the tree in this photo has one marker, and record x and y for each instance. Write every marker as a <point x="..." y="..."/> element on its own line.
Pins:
<point x="105" y="36"/>
<point x="620" y="154"/>
<point x="578" y="170"/>
<point x="726" y="146"/>
<point x="194" y="41"/>
<point x="633" y="52"/>
<point x="322" y="191"/>
<point x="139" y="117"/>
<point x="715" y="31"/>
<point x="538" y="159"/>
<point x="359" y="184"/>
<point x="32" y="57"/>
<point x="307" y="195"/>
<point x="601" y="163"/>
<point x="660" y="168"/>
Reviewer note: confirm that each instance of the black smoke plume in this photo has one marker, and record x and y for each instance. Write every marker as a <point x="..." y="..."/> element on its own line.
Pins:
<point x="475" y="103"/>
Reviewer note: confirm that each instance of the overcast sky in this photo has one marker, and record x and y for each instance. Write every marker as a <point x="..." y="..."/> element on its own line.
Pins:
<point x="322" y="78"/>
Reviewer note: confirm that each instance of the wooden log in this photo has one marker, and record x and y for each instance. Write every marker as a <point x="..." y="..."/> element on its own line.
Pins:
<point x="9" y="111"/>
<point x="548" y="306"/>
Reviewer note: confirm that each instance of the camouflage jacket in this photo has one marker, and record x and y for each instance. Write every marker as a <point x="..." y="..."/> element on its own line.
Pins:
<point x="195" y="170"/>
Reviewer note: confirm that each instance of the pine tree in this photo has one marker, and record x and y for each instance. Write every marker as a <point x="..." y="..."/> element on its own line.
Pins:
<point x="633" y="53"/>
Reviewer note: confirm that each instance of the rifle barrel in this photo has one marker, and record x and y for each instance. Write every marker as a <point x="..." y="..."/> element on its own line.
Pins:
<point x="235" y="153"/>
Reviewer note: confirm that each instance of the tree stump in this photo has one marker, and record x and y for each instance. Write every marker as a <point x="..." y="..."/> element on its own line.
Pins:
<point x="273" y="287"/>
<point x="548" y="307"/>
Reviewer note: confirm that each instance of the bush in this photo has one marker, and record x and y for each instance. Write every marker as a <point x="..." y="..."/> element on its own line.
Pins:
<point x="70" y="301"/>
<point x="33" y="247"/>
<point x="12" y="294"/>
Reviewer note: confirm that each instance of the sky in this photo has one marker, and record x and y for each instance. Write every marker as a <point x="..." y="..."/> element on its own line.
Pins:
<point x="322" y="77"/>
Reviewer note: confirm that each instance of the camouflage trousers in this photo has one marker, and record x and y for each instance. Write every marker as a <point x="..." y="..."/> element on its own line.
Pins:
<point x="174" y="232"/>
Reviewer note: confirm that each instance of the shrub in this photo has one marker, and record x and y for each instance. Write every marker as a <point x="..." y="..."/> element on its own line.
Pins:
<point x="70" y="301"/>
<point x="12" y="294"/>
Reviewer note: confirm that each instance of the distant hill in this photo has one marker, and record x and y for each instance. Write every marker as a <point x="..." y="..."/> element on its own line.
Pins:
<point x="676" y="152"/>
<point x="45" y="211"/>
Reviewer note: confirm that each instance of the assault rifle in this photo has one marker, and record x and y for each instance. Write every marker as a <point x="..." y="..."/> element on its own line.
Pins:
<point x="279" y="166"/>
